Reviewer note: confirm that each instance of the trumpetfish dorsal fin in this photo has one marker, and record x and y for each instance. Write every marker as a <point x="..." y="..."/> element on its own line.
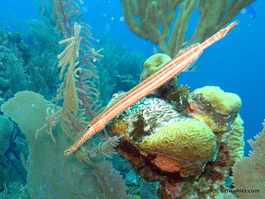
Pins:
<point x="182" y="51"/>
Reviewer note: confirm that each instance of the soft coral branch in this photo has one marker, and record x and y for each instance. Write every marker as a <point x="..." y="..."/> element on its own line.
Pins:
<point x="67" y="13"/>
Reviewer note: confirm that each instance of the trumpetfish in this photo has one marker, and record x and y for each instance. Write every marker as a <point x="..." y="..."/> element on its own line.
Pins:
<point x="177" y="65"/>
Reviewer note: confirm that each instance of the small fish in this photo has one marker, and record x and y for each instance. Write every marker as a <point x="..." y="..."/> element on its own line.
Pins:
<point x="193" y="67"/>
<point x="250" y="11"/>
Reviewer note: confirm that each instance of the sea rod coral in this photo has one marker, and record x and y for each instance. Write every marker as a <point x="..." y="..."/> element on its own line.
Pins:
<point x="166" y="22"/>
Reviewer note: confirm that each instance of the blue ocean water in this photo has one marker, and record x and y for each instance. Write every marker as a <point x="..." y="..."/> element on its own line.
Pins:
<point x="236" y="63"/>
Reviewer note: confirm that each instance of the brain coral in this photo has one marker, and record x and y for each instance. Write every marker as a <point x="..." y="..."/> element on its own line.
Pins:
<point x="153" y="64"/>
<point x="235" y="141"/>
<point x="222" y="102"/>
<point x="213" y="106"/>
<point x="187" y="141"/>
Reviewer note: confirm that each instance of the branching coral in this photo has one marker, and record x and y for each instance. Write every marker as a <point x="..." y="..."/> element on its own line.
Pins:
<point x="77" y="57"/>
<point x="52" y="118"/>
<point x="103" y="149"/>
<point x="69" y="110"/>
<point x="78" y="91"/>
<point x="165" y="22"/>
<point x="67" y="13"/>
<point x="83" y="54"/>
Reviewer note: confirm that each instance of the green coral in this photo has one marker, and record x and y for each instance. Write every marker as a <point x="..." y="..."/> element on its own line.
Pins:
<point x="6" y="127"/>
<point x="50" y="174"/>
<point x="15" y="190"/>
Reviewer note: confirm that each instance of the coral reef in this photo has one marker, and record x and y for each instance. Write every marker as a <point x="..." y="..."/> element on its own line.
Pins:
<point x="249" y="172"/>
<point x="43" y="37"/>
<point x="14" y="190"/>
<point x="177" y="65"/>
<point x="235" y="140"/>
<point x="214" y="107"/>
<point x="189" y="141"/>
<point x="6" y="128"/>
<point x="118" y="70"/>
<point x="50" y="174"/>
<point x="28" y="61"/>
<point x="185" y="144"/>
<point x="180" y="150"/>
<point x="14" y="151"/>
<point x="13" y="57"/>
<point x="153" y="64"/>
<point x="77" y="97"/>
